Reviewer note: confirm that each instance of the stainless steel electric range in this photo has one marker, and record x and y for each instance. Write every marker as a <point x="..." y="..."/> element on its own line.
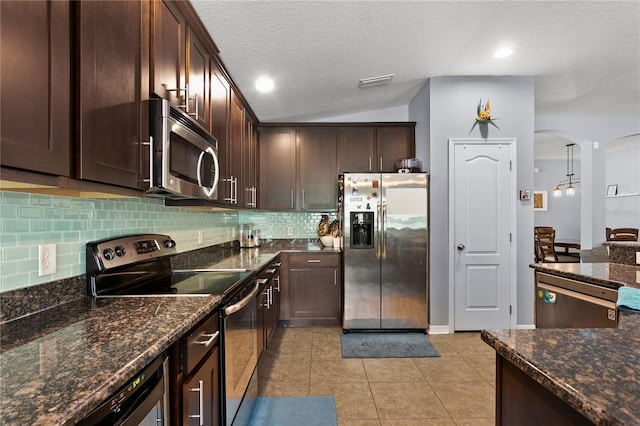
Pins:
<point x="140" y="265"/>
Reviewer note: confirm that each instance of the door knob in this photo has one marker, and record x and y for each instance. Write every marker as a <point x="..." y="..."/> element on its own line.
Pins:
<point x="460" y="247"/>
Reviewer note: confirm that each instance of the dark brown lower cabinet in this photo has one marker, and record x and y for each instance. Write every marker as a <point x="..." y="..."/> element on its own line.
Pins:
<point x="520" y="400"/>
<point x="205" y="384"/>
<point x="314" y="289"/>
<point x="194" y="381"/>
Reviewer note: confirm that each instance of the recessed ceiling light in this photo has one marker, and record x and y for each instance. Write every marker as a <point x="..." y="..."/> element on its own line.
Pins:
<point x="503" y="52"/>
<point x="264" y="84"/>
<point x="375" y="81"/>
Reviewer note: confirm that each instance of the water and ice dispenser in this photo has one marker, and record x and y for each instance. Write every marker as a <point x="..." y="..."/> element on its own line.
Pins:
<point x="361" y="229"/>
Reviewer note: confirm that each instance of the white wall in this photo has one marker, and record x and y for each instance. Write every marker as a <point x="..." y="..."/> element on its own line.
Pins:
<point x="451" y="109"/>
<point x="623" y="169"/>
<point x="396" y="113"/>
<point x="563" y="213"/>
<point x="584" y="131"/>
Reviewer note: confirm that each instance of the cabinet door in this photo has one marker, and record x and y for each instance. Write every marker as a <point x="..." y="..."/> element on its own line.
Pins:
<point x="394" y="143"/>
<point x="250" y="165"/>
<point x="237" y="140"/>
<point x="315" y="294"/>
<point x="201" y="394"/>
<point x="111" y="40"/>
<point x="357" y="149"/>
<point x="168" y="54"/>
<point x="220" y="105"/>
<point x="318" y="168"/>
<point x="35" y="64"/>
<point x="197" y="77"/>
<point x="277" y="168"/>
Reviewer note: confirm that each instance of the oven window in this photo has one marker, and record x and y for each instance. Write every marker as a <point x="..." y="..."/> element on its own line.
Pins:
<point x="183" y="162"/>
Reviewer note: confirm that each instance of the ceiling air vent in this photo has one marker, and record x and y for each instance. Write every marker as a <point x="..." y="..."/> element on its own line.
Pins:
<point x="375" y="81"/>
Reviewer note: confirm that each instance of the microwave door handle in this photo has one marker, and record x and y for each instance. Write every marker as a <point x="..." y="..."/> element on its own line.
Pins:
<point x="199" y="169"/>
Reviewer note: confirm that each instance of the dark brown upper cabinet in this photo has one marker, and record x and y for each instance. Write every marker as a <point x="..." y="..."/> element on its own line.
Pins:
<point x="237" y="140"/>
<point x="277" y="147"/>
<point x="318" y="168"/>
<point x="298" y="168"/>
<point x="394" y="143"/>
<point x="35" y="64"/>
<point x="168" y="57"/>
<point x="113" y="77"/>
<point x="220" y="111"/>
<point x="375" y="148"/>
<point x="197" y="104"/>
<point x="250" y="169"/>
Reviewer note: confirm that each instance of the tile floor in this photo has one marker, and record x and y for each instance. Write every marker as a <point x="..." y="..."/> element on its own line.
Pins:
<point x="457" y="388"/>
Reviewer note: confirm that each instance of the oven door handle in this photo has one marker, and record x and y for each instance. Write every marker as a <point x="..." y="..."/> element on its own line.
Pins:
<point x="244" y="302"/>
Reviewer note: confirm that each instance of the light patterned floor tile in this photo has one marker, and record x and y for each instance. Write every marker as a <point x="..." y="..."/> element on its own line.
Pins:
<point x="406" y="401"/>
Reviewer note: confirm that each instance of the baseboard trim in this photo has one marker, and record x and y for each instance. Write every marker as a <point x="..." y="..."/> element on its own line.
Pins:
<point x="438" y="329"/>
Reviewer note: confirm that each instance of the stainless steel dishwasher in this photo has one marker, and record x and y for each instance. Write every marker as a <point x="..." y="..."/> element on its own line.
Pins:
<point x="565" y="303"/>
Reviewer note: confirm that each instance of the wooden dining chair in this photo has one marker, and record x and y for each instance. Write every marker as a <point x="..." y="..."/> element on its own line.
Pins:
<point x="545" y="237"/>
<point x="539" y="256"/>
<point x="622" y="234"/>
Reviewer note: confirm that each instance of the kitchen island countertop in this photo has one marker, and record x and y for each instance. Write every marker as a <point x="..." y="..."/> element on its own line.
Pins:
<point x="595" y="371"/>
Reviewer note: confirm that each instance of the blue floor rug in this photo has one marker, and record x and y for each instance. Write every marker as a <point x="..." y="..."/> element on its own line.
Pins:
<point x="294" y="411"/>
<point x="386" y="345"/>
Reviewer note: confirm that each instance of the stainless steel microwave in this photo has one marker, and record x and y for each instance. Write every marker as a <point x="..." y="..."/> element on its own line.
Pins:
<point x="183" y="155"/>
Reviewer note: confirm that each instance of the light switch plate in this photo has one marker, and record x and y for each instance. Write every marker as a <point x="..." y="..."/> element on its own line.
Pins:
<point x="46" y="259"/>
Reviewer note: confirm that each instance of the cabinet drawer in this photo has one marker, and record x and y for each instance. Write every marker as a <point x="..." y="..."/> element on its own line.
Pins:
<point x="315" y="260"/>
<point x="200" y="341"/>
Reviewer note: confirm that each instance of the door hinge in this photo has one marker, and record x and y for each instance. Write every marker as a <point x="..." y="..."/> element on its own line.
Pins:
<point x="510" y="165"/>
<point x="510" y="309"/>
<point x="510" y="237"/>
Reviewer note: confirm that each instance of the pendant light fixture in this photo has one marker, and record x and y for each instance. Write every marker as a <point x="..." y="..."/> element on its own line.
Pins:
<point x="570" y="180"/>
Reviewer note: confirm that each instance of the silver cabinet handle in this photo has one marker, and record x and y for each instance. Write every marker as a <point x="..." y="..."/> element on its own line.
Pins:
<point x="313" y="261"/>
<point x="303" y="205"/>
<point x="270" y="271"/>
<point x="277" y="264"/>
<point x="292" y="198"/>
<point x="370" y="163"/>
<point x="335" y="277"/>
<point x="212" y="338"/>
<point x="278" y="281"/>
<point x="269" y="297"/>
<point x="380" y="165"/>
<point x="262" y="281"/>
<point x="200" y="391"/>
<point x="194" y="114"/>
<point x="266" y="303"/>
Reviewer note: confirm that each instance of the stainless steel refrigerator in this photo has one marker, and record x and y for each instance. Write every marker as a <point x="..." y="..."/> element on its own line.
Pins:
<point x="386" y="240"/>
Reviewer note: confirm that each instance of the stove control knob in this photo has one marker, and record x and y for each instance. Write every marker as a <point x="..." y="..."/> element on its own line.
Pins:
<point x="120" y="251"/>
<point x="169" y="243"/>
<point x="109" y="254"/>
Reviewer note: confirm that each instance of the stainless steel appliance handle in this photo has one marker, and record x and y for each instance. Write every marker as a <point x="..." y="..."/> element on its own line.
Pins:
<point x="150" y="144"/>
<point x="200" y="391"/>
<point x="212" y="338"/>
<point x="378" y="210"/>
<point x="384" y="229"/>
<point x="244" y="302"/>
<point x="580" y="296"/>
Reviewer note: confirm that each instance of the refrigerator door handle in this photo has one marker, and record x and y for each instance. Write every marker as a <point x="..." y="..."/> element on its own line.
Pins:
<point x="378" y="230"/>
<point x="384" y="230"/>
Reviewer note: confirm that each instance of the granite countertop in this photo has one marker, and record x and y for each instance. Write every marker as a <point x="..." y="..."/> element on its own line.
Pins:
<point x="60" y="363"/>
<point x="594" y="370"/>
<point x="57" y="365"/>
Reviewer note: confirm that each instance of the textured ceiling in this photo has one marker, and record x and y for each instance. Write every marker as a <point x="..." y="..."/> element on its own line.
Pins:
<point x="585" y="55"/>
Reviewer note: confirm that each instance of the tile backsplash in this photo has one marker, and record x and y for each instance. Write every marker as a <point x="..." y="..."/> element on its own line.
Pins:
<point x="28" y="220"/>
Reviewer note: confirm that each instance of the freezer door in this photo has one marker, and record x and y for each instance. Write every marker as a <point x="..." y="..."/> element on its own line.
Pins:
<point x="404" y="251"/>
<point x="361" y="197"/>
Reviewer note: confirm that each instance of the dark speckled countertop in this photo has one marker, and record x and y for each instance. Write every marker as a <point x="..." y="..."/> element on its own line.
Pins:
<point x="60" y="363"/>
<point x="596" y="371"/>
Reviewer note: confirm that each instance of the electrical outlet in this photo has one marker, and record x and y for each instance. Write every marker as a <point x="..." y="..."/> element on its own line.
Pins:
<point x="199" y="236"/>
<point x="290" y="231"/>
<point x="46" y="259"/>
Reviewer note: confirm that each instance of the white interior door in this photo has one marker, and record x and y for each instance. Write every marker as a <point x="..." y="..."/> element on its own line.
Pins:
<point x="482" y="225"/>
